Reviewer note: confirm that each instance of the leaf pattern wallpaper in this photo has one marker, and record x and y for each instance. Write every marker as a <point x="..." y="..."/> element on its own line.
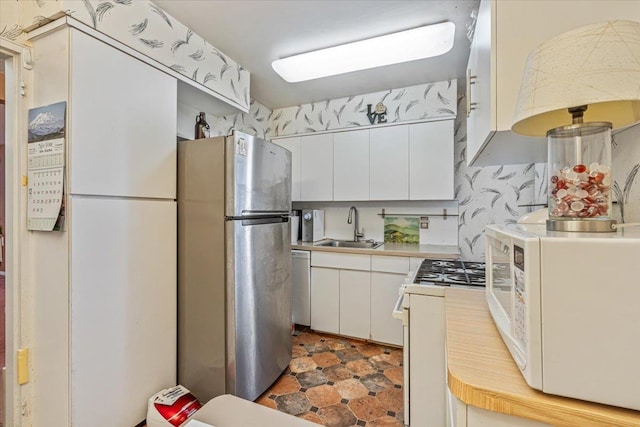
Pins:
<point x="255" y="122"/>
<point x="426" y="101"/>
<point x="490" y="194"/>
<point x="148" y="29"/>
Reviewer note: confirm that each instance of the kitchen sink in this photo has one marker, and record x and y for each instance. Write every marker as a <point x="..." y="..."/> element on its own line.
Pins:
<point x="362" y="244"/>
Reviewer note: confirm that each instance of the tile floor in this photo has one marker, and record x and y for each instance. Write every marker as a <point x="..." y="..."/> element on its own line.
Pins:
<point x="340" y="382"/>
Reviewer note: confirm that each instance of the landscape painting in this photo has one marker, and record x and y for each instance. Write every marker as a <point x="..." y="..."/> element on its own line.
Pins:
<point x="47" y="122"/>
<point x="401" y="230"/>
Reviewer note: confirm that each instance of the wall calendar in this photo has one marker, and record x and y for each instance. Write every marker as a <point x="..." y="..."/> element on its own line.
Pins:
<point x="46" y="167"/>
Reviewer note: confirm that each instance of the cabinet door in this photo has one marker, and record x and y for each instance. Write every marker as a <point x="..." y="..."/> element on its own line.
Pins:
<point x="389" y="158"/>
<point x="351" y="165"/>
<point x="325" y="299"/>
<point x="123" y="307"/>
<point x="355" y="303"/>
<point x="427" y="377"/>
<point x="431" y="161"/>
<point x="293" y="145"/>
<point x="316" y="167"/>
<point x="384" y="294"/>
<point x="122" y="124"/>
<point x="481" y="120"/>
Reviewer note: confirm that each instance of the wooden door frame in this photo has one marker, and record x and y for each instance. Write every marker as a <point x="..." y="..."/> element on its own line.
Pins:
<point x="17" y="303"/>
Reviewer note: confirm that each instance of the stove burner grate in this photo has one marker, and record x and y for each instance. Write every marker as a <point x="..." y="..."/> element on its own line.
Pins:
<point x="451" y="272"/>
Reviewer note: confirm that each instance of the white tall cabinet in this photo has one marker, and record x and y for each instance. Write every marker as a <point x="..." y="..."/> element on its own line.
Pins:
<point x="104" y="289"/>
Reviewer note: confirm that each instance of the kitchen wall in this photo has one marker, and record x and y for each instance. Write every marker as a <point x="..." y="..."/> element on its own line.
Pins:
<point x="420" y="102"/>
<point x="255" y="122"/>
<point x="442" y="230"/>
<point x="490" y="194"/>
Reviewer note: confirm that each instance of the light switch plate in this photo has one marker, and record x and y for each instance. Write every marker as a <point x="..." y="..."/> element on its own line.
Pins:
<point x="424" y="222"/>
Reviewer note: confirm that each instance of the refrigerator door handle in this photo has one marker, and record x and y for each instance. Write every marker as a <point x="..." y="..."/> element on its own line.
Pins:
<point x="258" y="219"/>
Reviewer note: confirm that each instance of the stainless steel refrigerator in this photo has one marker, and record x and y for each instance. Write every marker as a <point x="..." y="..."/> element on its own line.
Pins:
<point x="234" y="265"/>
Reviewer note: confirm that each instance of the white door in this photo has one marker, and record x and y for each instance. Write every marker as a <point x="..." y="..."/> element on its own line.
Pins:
<point x="351" y="165"/>
<point x="316" y="167"/>
<point x="293" y="145"/>
<point x="123" y="307"/>
<point x="325" y="299"/>
<point x="389" y="160"/>
<point x="384" y="294"/>
<point x="123" y="124"/>
<point x="431" y="160"/>
<point x="355" y="304"/>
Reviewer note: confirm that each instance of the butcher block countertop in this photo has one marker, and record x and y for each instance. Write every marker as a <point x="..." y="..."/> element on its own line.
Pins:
<point x="390" y="249"/>
<point x="482" y="373"/>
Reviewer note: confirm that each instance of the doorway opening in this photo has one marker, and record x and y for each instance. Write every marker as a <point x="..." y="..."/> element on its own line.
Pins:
<point x="2" y="233"/>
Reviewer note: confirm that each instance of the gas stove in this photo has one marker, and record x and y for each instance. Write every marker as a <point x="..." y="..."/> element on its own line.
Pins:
<point x="450" y="273"/>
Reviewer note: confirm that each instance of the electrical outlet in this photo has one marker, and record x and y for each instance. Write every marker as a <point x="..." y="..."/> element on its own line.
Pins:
<point x="424" y="222"/>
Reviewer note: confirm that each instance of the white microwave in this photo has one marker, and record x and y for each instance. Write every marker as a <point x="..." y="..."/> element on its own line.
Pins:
<point x="568" y="308"/>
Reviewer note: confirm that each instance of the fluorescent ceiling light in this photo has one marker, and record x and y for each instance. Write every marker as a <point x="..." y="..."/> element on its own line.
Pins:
<point x="418" y="43"/>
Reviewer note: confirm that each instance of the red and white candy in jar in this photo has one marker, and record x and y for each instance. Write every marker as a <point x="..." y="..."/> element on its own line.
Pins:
<point x="580" y="172"/>
<point x="581" y="191"/>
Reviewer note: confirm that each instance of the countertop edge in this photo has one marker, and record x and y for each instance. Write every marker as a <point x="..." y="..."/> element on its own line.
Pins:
<point x="467" y="317"/>
<point x="423" y="252"/>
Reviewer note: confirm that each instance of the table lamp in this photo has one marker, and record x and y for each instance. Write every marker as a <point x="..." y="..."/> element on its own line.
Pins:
<point x="576" y="88"/>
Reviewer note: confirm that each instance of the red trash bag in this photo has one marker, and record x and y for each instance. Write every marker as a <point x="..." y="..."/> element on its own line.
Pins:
<point x="171" y="407"/>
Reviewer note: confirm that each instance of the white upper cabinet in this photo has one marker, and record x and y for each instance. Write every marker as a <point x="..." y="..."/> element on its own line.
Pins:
<point x="122" y="123"/>
<point x="293" y="145"/>
<point x="316" y="167"/>
<point x="389" y="156"/>
<point x="398" y="162"/>
<point x="506" y="31"/>
<point x="351" y="165"/>
<point x="431" y="161"/>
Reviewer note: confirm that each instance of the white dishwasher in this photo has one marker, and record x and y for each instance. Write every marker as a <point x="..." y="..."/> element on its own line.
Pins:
<point x="301" y="287"/>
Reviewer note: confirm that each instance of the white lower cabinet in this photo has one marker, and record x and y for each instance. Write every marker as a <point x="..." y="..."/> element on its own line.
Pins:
<point x="355" y="294"/>
<point x="325" y="299"/>
<point x="384" y="293"/>
<point x="426" y="379"/>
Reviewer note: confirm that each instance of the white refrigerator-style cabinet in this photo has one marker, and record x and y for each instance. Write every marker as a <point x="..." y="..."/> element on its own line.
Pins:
<point x="104" y="289"/>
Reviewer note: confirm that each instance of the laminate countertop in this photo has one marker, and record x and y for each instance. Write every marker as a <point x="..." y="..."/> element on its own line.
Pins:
<point x="390" y="249"/>
<point x="482" y="373"/>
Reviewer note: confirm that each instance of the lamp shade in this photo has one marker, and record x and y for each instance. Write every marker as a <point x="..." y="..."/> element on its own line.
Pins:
<point x="596" y="65"/>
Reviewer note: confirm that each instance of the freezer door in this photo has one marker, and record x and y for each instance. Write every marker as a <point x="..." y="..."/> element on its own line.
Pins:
<point x="258" y="176"/>
<point x="258" y="304"/>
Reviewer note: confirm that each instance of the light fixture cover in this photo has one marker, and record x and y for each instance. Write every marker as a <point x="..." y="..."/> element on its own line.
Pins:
<point x="418" y="43"/>
<point x="596" y="65"/>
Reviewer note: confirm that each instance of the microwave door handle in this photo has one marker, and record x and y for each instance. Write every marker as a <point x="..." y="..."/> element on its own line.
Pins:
<point x="522" y="364"/>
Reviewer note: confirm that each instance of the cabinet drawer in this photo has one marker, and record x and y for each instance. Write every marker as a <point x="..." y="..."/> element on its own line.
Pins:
<point x="390" y="264"/>
<point x="344" y="261"/>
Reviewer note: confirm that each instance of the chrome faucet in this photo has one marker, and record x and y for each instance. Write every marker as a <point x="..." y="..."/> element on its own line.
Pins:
<point x="353" y="218"/>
